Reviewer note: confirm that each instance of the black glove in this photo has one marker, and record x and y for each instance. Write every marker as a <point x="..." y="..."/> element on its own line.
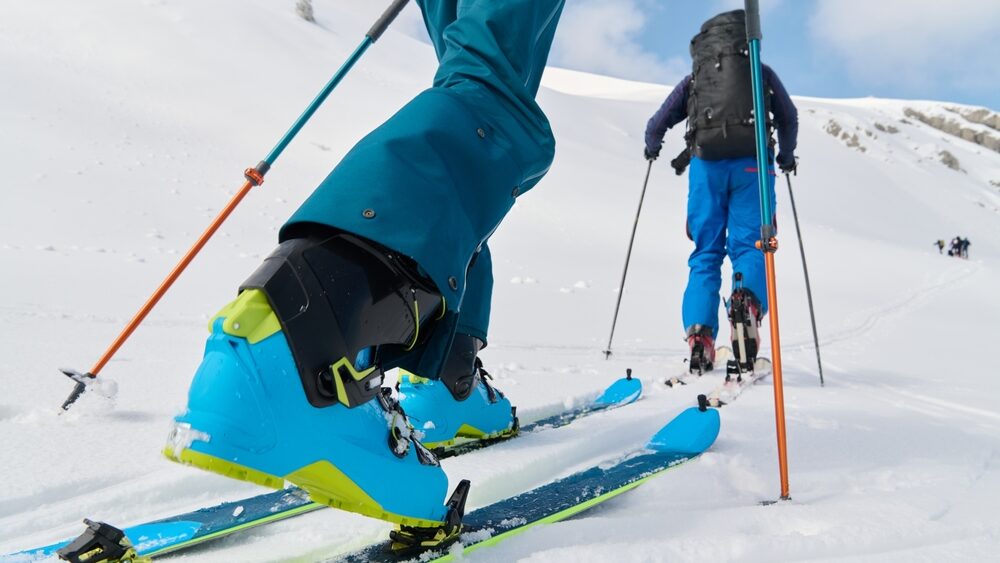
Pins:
<point x="788" y="164"/>
<point x="650" y="155"/>
<point x="681" y="162"/>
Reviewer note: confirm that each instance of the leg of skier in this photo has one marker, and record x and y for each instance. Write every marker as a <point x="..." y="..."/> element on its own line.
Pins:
<point x="461" y="403"/>
<point x="706" y="218"/>
<point x="748" y="302"/>
<point x="371" y="273"/>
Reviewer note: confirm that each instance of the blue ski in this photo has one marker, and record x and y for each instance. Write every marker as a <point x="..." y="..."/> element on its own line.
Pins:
<point x="622" y="392"/>
<point x="684" y="438"/>
<point x="186" y="530"/>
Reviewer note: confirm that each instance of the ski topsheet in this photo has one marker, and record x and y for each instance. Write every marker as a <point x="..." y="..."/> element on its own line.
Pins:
<point x="187" y="530"/>
<point x="684" y="438"/>
<point x="622" y="392"/>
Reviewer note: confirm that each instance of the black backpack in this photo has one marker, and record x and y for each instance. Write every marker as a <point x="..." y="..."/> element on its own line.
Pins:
<point x="720" y="97"/>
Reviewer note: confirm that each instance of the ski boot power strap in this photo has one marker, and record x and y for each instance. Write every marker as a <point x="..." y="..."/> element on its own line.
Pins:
<point x="336" y="297"/>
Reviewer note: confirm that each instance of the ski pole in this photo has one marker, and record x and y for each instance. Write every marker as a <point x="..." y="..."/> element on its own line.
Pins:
<point x="768" y="241"/>
<point x="628" y="256"/>
<point x="805" y="270"/>
<point x="254" y="177"/>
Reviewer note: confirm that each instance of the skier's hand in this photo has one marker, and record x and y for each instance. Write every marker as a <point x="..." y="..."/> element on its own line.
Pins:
<point x="788" y="164"/>
<point x="680" y="163"/>
<point x="650" y="155"/>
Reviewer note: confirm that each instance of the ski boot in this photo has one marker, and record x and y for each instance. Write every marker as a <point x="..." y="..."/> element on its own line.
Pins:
<point x="702" y="346"/>
<point x="744" y="318"/>
<point x="461" y="405"/>
<point x="290" y="385"/>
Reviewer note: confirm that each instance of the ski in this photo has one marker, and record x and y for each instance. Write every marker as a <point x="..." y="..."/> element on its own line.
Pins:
<point x="622" y="392"/>
<point x="681" y="440"/>
<point x="722" y="354"/>
<point x="738" y="381"/>
<point x="176" y="533"/>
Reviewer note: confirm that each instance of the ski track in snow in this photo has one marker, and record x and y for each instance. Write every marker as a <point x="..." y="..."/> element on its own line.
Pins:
<point x="945" y="279"/>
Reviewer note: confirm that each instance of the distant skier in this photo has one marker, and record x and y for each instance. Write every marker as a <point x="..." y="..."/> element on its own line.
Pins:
<point x="964" y="244"/>
<point x="940" y="245"/>
<point x="723" y="215"/>
<point x="956" y="247"/>
<point x="385" y="265"/>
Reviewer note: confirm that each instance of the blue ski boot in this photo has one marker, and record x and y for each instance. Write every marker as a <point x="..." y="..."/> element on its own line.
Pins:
<point x="290" y="386"/>
<point x="461" y="405"/>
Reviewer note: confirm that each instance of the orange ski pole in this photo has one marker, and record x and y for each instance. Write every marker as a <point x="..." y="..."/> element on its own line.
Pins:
<point x="768" y="241"/>
<point x="779" y="392"/>
<point x="254" y="177"/>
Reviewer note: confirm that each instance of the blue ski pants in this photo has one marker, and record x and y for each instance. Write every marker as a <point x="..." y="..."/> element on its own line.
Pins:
<point x="723" y="218"/>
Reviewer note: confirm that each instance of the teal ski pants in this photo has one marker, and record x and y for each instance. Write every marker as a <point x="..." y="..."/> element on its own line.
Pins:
<point x="435" y="180"/>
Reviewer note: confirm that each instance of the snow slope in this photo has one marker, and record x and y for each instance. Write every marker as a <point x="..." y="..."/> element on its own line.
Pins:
<point x="126" y="126"/>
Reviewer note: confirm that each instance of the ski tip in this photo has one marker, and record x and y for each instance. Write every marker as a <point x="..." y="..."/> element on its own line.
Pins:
<point x="690" y="433"/>
<point x="622" y="392"/>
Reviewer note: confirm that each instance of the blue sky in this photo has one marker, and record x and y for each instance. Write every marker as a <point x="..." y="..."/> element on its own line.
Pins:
<point x="915" y="49"/>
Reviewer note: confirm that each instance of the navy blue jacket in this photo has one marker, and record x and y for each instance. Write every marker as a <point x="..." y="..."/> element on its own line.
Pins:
<point x="674" y="110"/>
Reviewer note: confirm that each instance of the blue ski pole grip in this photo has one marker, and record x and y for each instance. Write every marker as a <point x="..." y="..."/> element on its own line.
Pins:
<point x="752" y="8"/>
<point x="387" y="17"/>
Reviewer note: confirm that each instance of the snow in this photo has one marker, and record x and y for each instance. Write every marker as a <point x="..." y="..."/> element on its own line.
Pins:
<point x="127" y="126"/>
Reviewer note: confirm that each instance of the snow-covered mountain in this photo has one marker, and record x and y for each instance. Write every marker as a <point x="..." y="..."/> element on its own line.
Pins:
<point x="126" y="126"/>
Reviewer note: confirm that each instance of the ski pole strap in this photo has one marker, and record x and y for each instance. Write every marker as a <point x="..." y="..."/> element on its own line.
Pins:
<point x="752" y="8"/>
<point x="386" y="19"/>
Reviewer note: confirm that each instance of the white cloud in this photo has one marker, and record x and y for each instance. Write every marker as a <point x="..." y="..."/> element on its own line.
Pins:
<point x="601" y="36"/>
<point x="913" y="43"/>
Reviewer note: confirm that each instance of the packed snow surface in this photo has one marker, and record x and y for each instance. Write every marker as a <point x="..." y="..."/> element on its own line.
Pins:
<point x="126" y="127"/>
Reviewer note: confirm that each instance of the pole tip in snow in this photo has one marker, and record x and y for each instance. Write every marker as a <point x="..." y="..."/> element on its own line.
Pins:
<point x="81" y="379"/>
<point x="607" y="354"/>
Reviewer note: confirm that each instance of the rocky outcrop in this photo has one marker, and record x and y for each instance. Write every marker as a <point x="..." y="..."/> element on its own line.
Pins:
<point x="956" y="128"/>
<point x="852" y="141"/>
<point x="949" y="160"/>
<point x="886" y="128"/>
<point x="833" y="128"/>
<point x="982" y="116"/>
